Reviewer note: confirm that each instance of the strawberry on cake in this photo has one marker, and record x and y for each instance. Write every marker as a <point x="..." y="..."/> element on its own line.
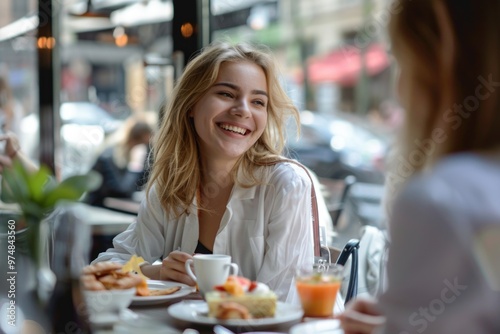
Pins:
<point x="240" y="298"/>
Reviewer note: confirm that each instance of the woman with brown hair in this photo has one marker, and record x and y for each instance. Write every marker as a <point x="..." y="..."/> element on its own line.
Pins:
<point x="448" y="172"/>
<point x="123" y="165"/>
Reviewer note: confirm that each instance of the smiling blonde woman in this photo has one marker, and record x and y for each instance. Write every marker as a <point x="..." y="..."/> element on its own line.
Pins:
<point x="215" y="186"/>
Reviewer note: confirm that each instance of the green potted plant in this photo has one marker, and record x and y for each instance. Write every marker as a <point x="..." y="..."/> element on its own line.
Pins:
<point x="38" y="193"/>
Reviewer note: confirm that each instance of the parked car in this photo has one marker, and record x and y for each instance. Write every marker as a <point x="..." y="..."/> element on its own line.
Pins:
<point x="337" y="145"/>
<point x="87" y="113"/>
<point x="84" y="127"/>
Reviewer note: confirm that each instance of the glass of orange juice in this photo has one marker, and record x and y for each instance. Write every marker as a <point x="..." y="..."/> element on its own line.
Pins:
<point x="318" y="286"/>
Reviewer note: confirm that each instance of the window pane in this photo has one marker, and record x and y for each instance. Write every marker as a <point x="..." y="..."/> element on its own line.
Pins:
<point x="18" y="71"/>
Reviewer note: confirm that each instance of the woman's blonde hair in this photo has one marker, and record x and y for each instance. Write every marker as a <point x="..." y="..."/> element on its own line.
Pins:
<point x="176" y="169"/>
<point x="461" y="106"/>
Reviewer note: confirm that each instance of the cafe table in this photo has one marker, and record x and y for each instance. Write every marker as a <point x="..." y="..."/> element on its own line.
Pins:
<point x="124" y="205"/>
<point x="156" y="319"/>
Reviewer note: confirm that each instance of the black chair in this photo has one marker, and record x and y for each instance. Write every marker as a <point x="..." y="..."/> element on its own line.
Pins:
<point x="350" y="249"/>
<point x="337" y="211"/>
<point x="365" y="200"/>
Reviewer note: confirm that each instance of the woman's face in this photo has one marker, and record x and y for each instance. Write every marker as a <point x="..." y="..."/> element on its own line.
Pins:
<point x="232" y="115"/>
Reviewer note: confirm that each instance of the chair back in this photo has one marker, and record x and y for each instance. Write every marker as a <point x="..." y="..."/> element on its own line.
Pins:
<point x="337" y="211"/>
<point x="350" y="250"/>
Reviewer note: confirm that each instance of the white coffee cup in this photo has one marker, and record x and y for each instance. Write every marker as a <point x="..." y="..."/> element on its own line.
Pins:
<point x="211" y="270"/>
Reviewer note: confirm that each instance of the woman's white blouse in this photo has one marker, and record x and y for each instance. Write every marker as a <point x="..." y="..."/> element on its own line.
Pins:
<point x="267" y="230"/>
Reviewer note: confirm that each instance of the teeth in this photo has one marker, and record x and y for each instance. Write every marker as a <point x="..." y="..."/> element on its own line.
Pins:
<point x="232" y="128"/>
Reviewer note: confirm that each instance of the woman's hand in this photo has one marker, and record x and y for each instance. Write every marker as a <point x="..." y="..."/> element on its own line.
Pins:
<point x="10" y="151"/>
<point x="13" y="151"/>
<point x="5" y="162"/>
<point x="173" y="268"/>
<point x="361" y="317"/>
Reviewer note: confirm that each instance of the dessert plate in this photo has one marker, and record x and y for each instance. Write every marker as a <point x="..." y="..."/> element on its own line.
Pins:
<point x="318" y="327"/>
<point x="158" y="285"/>
<point x="196" y="311"/>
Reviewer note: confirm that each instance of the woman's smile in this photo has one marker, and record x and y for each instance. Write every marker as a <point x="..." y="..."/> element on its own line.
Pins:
<point x="233" y="129"/>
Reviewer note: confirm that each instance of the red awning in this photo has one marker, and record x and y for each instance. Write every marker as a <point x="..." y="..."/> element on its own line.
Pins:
<point x="343" y="66"/>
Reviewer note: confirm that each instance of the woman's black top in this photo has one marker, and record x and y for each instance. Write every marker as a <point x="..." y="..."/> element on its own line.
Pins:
<point x="201" y="249"/>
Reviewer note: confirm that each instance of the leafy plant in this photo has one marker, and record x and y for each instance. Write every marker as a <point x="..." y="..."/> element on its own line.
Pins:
<point x="38" y="193"/>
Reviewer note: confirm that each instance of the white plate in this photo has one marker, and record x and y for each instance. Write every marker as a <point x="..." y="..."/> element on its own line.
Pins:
<point x="104" y="319"/>
<point x="196" y="311"/>
<point x="318" y="327"/>
<point x="157" y="285"/>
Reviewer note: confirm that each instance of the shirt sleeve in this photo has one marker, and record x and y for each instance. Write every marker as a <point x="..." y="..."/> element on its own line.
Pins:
<point x="143" y="238"/>
<point x="289" y="242"/>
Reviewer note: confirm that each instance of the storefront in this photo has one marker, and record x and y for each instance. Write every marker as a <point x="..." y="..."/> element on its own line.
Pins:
<point x="120" y="57"/>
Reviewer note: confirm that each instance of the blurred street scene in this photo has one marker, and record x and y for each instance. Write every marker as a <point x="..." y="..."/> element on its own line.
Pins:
<point x="114" y="59"/>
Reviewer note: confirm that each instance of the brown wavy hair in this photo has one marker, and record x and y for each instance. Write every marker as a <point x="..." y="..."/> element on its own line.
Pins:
<point x="448" y="66"/>
<point x="176" y="170"/>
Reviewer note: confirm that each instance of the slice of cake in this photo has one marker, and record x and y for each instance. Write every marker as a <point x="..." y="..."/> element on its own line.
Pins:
<point x="237" y="294"/>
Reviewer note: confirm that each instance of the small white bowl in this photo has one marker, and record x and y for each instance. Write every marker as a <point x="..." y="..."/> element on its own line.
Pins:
<point x="108" y="301"/>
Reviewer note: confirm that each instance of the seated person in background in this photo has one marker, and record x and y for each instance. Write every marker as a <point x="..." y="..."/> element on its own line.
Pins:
<point x="218" y="184"/>
<point x="11" y="110"/>
<point x="123" y="166"/>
